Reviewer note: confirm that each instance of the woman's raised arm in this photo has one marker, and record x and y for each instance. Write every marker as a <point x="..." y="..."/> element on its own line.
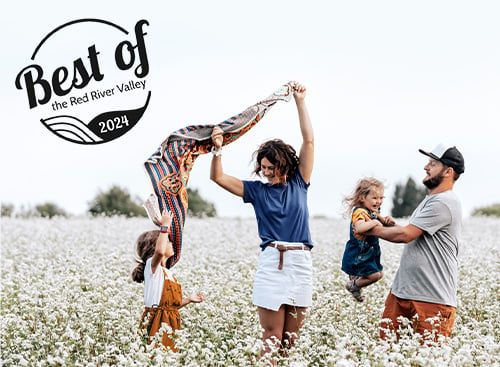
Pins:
<point x="230" y="183"/>
<point x="306" y="155"/>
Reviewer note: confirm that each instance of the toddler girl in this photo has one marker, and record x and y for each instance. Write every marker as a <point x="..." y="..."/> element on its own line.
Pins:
<point x="361" y="260"/>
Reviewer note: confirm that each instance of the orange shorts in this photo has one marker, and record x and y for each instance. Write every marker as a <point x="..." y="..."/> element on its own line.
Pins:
<point x="395" y="307"/>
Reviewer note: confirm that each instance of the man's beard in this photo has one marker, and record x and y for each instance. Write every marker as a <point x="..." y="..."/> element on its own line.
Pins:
<point x="435" y="181"/>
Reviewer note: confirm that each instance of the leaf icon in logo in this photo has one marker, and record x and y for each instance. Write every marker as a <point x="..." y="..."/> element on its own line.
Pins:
<point x="113" y="124"/>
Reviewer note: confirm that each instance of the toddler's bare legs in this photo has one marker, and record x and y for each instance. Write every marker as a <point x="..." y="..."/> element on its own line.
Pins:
<point x="369" y="279"/>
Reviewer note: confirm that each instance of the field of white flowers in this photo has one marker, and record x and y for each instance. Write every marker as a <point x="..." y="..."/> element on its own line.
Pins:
<point x="67" y="298"/>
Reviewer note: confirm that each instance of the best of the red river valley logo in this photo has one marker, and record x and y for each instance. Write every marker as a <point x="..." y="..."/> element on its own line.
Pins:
<point x="103" y="94"/>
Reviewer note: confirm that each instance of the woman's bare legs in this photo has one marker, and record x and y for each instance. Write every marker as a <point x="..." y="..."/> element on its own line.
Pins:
<point x="294" y="319"/>
<point x="280" y="327"/>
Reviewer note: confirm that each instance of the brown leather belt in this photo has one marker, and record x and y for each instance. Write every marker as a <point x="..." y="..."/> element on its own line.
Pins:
<point x="283" y="248"/>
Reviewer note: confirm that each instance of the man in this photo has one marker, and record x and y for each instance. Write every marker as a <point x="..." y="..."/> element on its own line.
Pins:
<point x="426" y="281"/>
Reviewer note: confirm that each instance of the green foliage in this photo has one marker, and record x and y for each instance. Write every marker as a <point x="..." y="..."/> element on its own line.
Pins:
<point x="406" y="198"/>
<point x="116" y="201"/>
<point x="199" y="207"/>
<point x="492" y="210"/>
<point x="7" y="210"/>
<point x="47" y="210"/>
<point x="50" y="210"/>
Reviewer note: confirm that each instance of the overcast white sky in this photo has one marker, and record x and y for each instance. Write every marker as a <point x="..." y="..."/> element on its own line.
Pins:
<point x="384" y="79"/>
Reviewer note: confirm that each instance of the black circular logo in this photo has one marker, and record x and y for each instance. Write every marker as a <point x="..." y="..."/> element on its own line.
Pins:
<point x="106" y="74"/>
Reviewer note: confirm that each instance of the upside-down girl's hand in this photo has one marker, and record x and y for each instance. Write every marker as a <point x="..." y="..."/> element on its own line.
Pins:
<point x="166" y="218"/>
<point x="196" y="297"/>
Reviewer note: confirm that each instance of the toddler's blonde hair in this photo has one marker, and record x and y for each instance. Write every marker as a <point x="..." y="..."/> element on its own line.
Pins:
<point x="363" y="188"/>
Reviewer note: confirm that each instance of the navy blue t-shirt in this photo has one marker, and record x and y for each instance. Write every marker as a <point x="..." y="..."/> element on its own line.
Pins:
<point x="281" y="210"/>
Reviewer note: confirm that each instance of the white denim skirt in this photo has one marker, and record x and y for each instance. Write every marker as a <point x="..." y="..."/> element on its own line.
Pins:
<point x="290" y="286"/>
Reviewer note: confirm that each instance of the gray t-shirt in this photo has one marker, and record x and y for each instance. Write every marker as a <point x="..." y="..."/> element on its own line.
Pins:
<point x="428" y="270"/>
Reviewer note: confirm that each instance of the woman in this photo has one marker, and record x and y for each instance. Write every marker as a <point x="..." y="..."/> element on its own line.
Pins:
<point x="283" y="282"/>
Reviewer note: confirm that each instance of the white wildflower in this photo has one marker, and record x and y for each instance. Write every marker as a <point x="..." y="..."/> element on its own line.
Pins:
<point x="73" y="303"/>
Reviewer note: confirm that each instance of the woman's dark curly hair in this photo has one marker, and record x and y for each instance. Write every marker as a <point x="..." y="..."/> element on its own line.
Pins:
<point x="281" y="155"/>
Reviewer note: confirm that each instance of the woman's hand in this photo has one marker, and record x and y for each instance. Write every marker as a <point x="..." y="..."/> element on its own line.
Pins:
<point x="217" y="138"/>
<point x="299" y="91"/>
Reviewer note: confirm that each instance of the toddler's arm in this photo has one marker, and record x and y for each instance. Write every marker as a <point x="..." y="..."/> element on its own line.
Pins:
<point x="195" y="297"/>
<point x="364" y="223"/>
<point x="163" y="248"/>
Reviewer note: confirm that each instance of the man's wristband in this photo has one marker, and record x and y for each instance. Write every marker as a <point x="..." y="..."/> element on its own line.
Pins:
<point x="216" y="152"/>
<point x="165" y="229"/>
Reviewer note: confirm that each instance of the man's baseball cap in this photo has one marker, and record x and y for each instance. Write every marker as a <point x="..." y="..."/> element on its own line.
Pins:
<point x="447" y="155"/>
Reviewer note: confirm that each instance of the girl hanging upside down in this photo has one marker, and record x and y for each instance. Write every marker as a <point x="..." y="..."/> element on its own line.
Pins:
<point x="162" y="291"/>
